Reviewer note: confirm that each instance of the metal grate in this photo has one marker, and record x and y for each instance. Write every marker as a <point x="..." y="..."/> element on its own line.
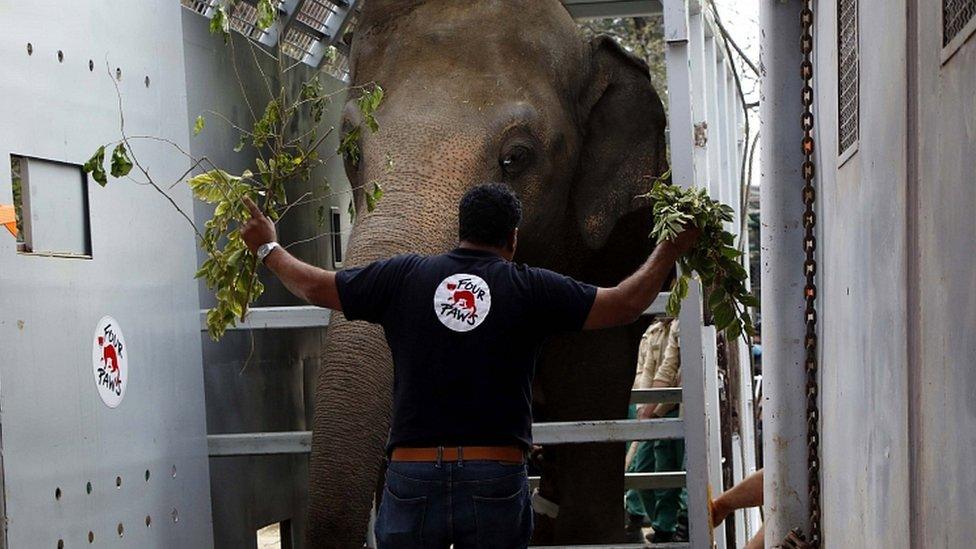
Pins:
<point x="297" y="44"/>
<point x="243" y="19"/>
<point x="847" y="74"/>
<point x="199" y="6"/>
<point x="955" y="15"/>
<point x="315" y="13"/>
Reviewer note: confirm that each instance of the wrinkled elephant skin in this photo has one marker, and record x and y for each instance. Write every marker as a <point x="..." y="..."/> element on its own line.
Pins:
<point x="499" y="90"/>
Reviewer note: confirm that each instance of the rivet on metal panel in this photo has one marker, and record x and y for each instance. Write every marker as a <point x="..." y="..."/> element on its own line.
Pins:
<point x="175" y="514"/>
<point x="147" y="80"/>
<point x="174" y="471"/>
<point x="91" y="65"/>
<point x="60" y="56"/>
<point x="57" y="493"/>
<point x="88" y="487"/>
<point x="118" y="73"/>
<point x="91" y="537"/>
<point x="30" y="49"/>
<point x="147" y="475"/>
<point x="60" y="544"/>
<point x="148" y="521"/>
<point x="120" y="530"/>
<point x="118" y="482"/>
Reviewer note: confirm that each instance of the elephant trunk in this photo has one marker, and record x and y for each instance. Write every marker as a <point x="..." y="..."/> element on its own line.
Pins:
<point x="417" y="214"/>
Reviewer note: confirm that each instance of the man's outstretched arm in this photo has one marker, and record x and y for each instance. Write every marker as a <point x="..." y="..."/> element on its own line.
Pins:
<point x="312" y="284"/>
<point x="625" y="302"/>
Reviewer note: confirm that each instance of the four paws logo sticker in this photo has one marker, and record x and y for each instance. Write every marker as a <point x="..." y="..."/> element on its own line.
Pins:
<point x="462" y="302"/>
<point x="110" y="361"/>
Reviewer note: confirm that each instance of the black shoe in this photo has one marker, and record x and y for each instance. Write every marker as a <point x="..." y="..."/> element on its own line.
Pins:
<point x="633" y="523"/>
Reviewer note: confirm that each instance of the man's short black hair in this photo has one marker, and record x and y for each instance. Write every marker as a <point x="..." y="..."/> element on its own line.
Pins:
<point x="488" y="214"/>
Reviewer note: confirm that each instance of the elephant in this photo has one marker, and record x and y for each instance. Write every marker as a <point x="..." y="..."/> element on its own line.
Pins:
<point x="494" y="91"/>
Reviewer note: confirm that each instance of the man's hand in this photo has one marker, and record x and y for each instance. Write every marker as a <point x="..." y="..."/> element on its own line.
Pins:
<point x="259" y="229"/>
<point x="647" y="412"/>
<point x="685" y="241"/>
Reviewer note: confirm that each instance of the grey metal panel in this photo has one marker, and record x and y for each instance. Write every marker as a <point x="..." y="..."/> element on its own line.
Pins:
<point x="258" y="444"/>
<point x="260" y="380"/>
<point x="55" y="202"/>
<point x="862" y="222"/>
<point x="56" y="431"/>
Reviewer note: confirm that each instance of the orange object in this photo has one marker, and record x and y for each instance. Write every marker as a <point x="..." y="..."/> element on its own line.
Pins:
<point x="8" y="218"/>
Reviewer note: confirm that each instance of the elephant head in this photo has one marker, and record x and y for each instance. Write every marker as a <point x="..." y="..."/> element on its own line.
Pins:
<point x="503" y="91"/>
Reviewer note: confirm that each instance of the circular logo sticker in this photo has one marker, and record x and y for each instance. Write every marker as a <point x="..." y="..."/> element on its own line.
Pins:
<point x="462" y="302"/>
<point x="110" y="361"/>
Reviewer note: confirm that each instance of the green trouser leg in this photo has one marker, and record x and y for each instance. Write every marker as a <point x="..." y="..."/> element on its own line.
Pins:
<point x="668" y="456"/>
<point x="640" y="502"/>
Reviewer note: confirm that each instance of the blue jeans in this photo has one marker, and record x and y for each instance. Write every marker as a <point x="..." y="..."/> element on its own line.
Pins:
<point x="474" y="504"/>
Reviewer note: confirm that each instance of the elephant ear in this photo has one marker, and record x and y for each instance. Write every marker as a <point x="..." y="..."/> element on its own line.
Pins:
<point x="623" y="150"/>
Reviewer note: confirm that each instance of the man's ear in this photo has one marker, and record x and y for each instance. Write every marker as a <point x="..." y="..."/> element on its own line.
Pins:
<point x="623" y="149"/>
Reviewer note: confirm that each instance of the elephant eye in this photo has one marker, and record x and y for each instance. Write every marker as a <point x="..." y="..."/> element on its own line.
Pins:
<point x="515" y="160"/>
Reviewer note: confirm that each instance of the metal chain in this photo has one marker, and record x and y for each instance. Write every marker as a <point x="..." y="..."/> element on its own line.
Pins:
<point x="810" y="271"/>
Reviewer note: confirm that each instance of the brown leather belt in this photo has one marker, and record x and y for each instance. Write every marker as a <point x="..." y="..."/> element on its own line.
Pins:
<point x="460" y="453"/>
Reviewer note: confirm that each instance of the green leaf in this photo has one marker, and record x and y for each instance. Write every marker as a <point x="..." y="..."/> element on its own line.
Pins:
<point x="266" y="14"/>
<point x="220" y="23"/>
<point x="198" y="125"/>
<point x="121" y="164"/>
<point x="349" y="146"/>
<point x="96" y="166"/>
<point x="373" y="197"/>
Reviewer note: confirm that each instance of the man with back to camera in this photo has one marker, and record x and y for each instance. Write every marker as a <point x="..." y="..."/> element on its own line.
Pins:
<point x="464" y="329"/>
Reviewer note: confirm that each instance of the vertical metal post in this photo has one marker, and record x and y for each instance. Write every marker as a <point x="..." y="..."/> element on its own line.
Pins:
<point x="784" y="378"/>
<point x="722" y="134"/>
<point x="711" y="100"/>
<point x="692" y="361"/>
<point x="713" y="419"/>
<point x="699" y="110"/>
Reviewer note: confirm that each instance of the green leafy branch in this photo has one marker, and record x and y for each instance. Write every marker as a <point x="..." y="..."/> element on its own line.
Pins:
<point x="282" y="161"/>
<point x="715" y="259"/>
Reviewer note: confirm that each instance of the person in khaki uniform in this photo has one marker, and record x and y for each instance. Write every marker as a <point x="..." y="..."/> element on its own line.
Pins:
<point x="659" y="361"/>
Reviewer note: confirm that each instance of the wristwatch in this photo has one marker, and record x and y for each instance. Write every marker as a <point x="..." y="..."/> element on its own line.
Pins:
<point x="265" y="249"/>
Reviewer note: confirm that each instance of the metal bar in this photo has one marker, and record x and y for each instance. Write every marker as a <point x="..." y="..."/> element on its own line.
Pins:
<point x="655" y="396"/>
<point x="676" y="545"/>
<point x="599" y="9"/>
<point x="276" y="318"/>
<point x="660" y="304"/>
<point x="713" y="426"/>
<point x="784" y="378"/>
<point x="696" y="64"/>
<point x="570" y="432"/>
<point x="711" y="108"/>
<point x="692" y="362"/>
<point x="260" y="444"/>
<point x="622" y="430"/>
<point x="643" y="481"/>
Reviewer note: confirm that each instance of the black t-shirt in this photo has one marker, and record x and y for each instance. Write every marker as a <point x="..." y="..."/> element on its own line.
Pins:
<point x="464" y="329"/>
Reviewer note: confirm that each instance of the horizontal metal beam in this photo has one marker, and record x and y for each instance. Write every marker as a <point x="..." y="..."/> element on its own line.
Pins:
<point x="675" y="545"/>
<point x="600" y="9"/>
<point x="656" y="396"/>
<point x="262" y="318"/>
<point x="643" y="481"/>
<point x="570" y="432"/>
<point x="622" y="430"/>
<point x="260" y="444"/>
<point x="660" y="304"/>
